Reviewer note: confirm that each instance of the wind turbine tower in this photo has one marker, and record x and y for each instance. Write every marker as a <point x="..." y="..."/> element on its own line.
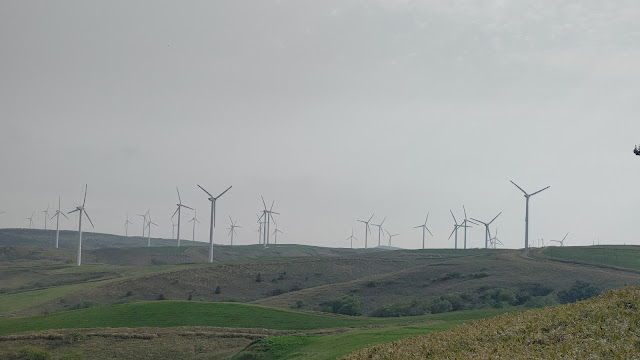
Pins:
<point x="81" y="210"/>
<point x="57" y="216"/>
<point x="275" y="233"/>
<point x="212" y="224"/>
<point x="126" y="225"/>
<point x="144" y="221"/>
<point x="456" y="226"/>
<point x="487" y="233"/>
<point x="390" y="236"/>
<point x="424" y="227"/>
<point x="30" y="220"/>
<point x="526" y="217"/>
<point x="367" y="230"/>
<point x="379" y="229"/>
<point x="149" y="223"/>
<point x="268" y="216"/>
<point x="179" y="211"/>
<point x="46" y="215"/>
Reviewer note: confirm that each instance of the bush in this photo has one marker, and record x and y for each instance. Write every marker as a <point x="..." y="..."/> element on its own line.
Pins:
<point x="370" y="284"/>
<point x="440" y="305"/>
<point x="129" y="293"/>
<point x="346" y="305"/>
<point x="74" y="336"/>
<point x="276" y="292"/>
<point x="82" y="305"/>
<point x="217" y="290"/>
<point x="161" y="297"/>
<point x="414" y="308"/>
<point x="298" y="305"/>
<point x="540" y="301"/>
<point x="456" y="301"/>
<point x="31" y="353"/>
<point x="579" y="291"/>
<point x="259" y="278"/>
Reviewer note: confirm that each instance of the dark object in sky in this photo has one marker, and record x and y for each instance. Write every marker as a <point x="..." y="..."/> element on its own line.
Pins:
<point x="636" y="150"/>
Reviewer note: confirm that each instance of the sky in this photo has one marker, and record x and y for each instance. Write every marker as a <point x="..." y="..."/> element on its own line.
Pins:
<point x="335" y="110"/>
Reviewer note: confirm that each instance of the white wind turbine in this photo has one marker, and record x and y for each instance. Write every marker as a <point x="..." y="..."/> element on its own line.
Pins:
<point x="149" y="223"/>
<point x="259" y="229"/>
<point x="126" y="225"/>
<point x="212" y="224"/>
<point x="487" y="233"/>
<point x="144" y="221"/>
<point x="81" y="210"/>
<point x="367" y="230"/>
<point x="456" y="226"/>
<point x="526" y="217"/>
<point x="232" y="229"/>
<point x="46" y="216"/>
<point x="495" y="241"/>
<point x="390" y="236"/>
<point x="275" y="233"/>
<point x="465" y="222"/>
<point x="179" y="212"/>
<point x="351" y="238"/>
<point x="561" y="242"/>
<point x="57" y="216"/>
<point x="195" y="220"/>
<point x="424" y="227"/>
<point x="30" y="220"/>
<point x="379" y="229"/>
<point x="268" y="216"/>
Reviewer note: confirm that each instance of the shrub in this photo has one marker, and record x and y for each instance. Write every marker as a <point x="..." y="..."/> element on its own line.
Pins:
<point x="295" y="287"/>
<point x="161" y="297"/>
<point x="440" y="305"/>
<point x="370" y="284"/>
<point x="579" y="291"/>
<point x="276" y="292"/>
<point x="129" y="293"/>
<point x="346" y="305"/>
<point x="298" y="305"/>
<point x="413" y="308"/>
<point x="32" y="353"/>
<point x="74" y="336"/>
<point x="82" y="305"/>
<point x="456" y="301"/>
<point x="259" y="278"/>
<point x="217" y="290"/>
<point x="540" y="301"/>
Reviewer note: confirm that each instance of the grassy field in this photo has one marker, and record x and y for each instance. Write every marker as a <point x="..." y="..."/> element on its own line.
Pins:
<point x="614" y="255"/>
<point x="600" y="328"/>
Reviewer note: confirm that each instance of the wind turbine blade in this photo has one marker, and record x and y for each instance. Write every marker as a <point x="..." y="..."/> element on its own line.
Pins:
<point x="383" y="221"/>
<point x="72" y="211"/>
<point x="362" y="221"/>
<point x="263" y="202"/>
<point x="186" y="207"/>
<point x="519" y="187"/>
<point x="494" y="218"/>
<point x="371" y="217"/>
<point x="197" y="220"/>
<point x="174" y="214"/>
<point x="454" y="218"/>
<point x="179" y="200"/>
<point x="541" y="190"/>
<point x="271" y="208"/>
<point x="85" y="195"/>
<point x="224" y="192"/>
<point x="425" y="219"/>
<point x="208" y="193"/>
<point x="88" y="218"/>
<point x="428" y="231"/>
<point x="419" y="226"/>
<point x="63" y="215"/>
<point x="450" y="235"/>
<point x="478" y="221"/>
<point x="465" y="211"/>
<point x="565" y="237"/>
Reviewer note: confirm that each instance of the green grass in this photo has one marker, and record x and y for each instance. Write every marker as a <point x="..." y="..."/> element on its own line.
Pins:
<point x="335" y="345"/>
<point x="615" y="255"/>
<point x="188" y="313"/>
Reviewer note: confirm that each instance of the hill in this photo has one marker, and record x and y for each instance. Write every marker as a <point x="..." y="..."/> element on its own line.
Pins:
<point x="602" y="327"/>
<point x="624" y="256"/>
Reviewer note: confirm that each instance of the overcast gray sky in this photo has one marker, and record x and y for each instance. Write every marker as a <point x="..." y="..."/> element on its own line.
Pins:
<point x="334" y="109"/>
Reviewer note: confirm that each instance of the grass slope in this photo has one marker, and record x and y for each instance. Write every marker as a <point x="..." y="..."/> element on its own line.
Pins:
<point x="614" y="255"/>
<point x="603" y="327"/>
<point x="190" y="313"/>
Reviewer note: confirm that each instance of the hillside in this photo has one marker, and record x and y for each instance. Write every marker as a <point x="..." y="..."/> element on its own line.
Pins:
<point x="624" y="256"/>
<point x="602" y="327"/>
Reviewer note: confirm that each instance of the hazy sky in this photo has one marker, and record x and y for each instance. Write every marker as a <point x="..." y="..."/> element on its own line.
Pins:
<point x="334" y="109"/>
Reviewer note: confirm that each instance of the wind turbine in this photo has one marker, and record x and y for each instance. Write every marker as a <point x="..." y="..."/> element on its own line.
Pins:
<point x="390" y="236"/>
<point x="179" y="212"/>
<point x="173" y="229"/>
<point x="367" y="230"/>
<point x="144" y="221"/>
<point x="526" y="217"/>
<point x="195" y="219"/>
<point x="81" y="210"/>
<point x="275" y="233"/>
<point x="561" y="242"/>
<point x="379" y="229"/>
<point x="424" y="227"/>
<point x="351" y="238"/>
<point x="465" y="227"/>
<point x="46" y="215"/>
<point x="268" y="216"/>
<point x="232" y="229"/>
<point x="126" y="225"/>
<point x="487" y="234"/>
<point x="259" y="229"/>
<point x="212" y="224"/>
<point x="149" y="223"/>
<point x="57" y="216"/>
<point x="456" y="226"/>
<point x="30" y="220"/>
<point x="495" y="240"/>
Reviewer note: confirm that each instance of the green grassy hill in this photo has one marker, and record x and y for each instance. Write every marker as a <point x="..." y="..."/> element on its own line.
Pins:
<point x="600" y="328"/>
<point x="625" y="256"/>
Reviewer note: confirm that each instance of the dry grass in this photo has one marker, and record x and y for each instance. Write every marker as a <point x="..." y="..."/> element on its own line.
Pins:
<point x="602" y="327"/>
